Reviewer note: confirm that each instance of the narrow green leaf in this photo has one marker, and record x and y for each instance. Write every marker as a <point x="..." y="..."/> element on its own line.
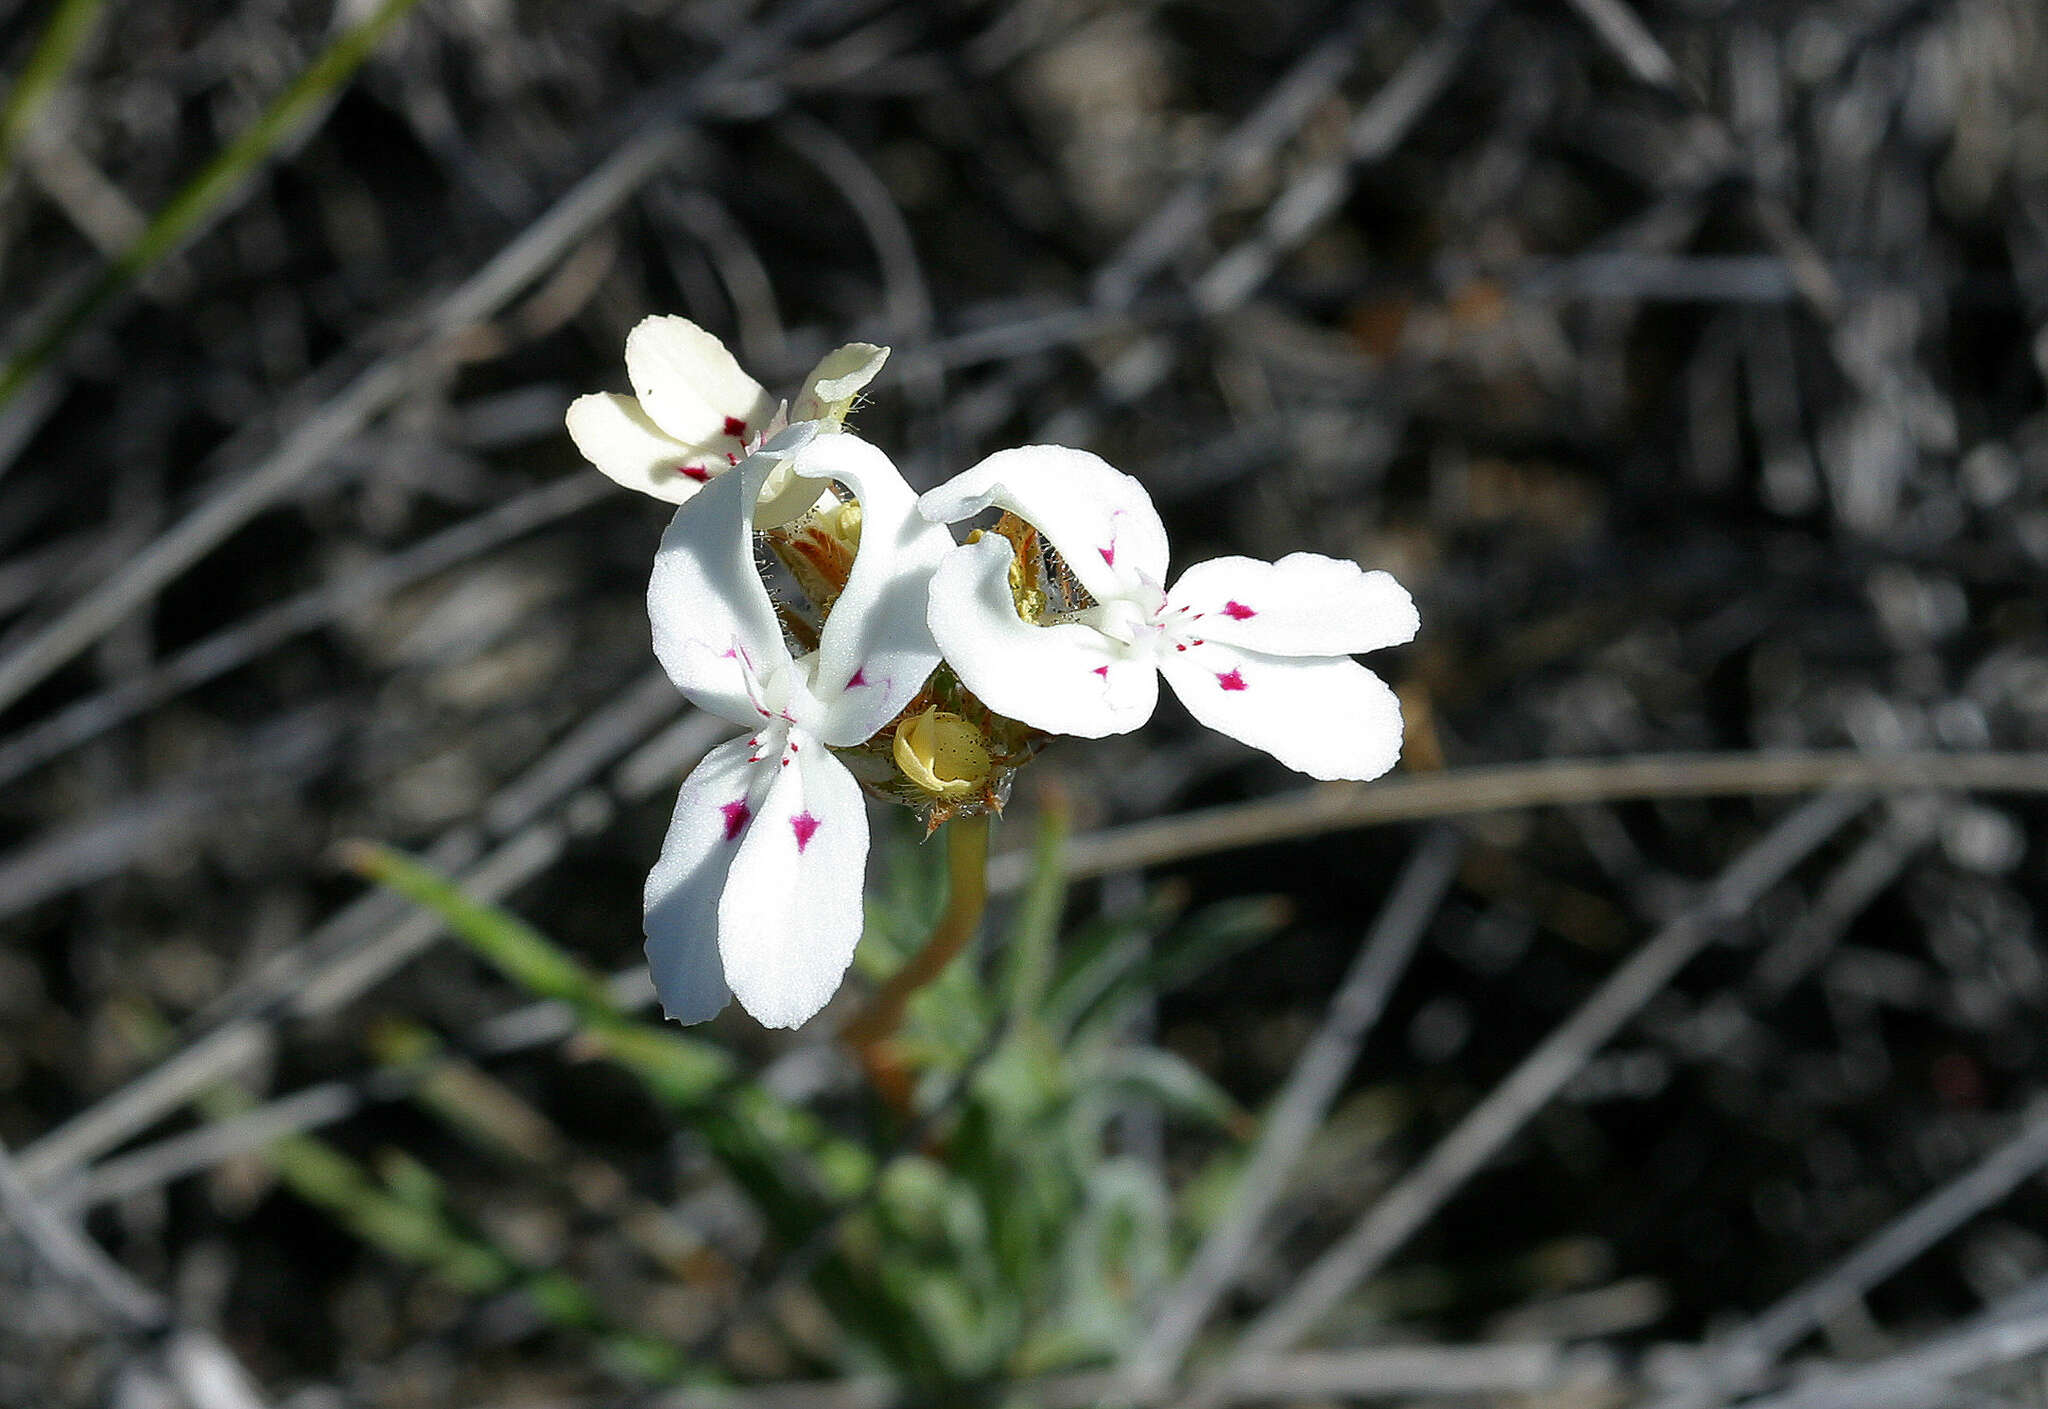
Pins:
<point x="1212" y="935"/>
<point x="1038" y="917"/>
<point x="1104" y="951"/>
<point x="407" y="1220"/>
<point x="1169" y="1081"/>
<point x="797" y="1173"/>
<point x="781" y="1154"/>
<point x="1193" y="947"/>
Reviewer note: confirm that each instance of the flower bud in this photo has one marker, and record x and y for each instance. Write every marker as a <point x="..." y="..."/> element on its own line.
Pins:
<point x="943" y="754"/>
<point x="836" y="383"/>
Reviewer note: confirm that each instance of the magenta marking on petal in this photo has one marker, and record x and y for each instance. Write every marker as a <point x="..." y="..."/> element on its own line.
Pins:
<point x="860" y="678"/>
<point x="1238" y="611"/>
<point x="805" y="826"/>
<point x="1231" y="680"/>
<point x="695" y="472"/>
<point x="1103" y="671"/>
<point x="737" y="814"/>
<point x="1109" y="553"/>
<point x="736" y="428"/>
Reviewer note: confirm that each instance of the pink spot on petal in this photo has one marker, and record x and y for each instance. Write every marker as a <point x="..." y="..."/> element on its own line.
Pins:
<point x="695" y="472"/>
<point x="805" y="826"/>
<point x="731" y="459"/>
<point x="736" y="428"/>
<point x="1103" y="671"/>
<point x="1238" y="611"/>
<point x="1108" y="555"/>
<point x="737" y="814"/>
<point x="860" y="678"/>
<point x="1231" y="680"/>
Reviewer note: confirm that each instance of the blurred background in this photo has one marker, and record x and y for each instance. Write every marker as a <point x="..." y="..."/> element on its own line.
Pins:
<point x="1685" y="358"/>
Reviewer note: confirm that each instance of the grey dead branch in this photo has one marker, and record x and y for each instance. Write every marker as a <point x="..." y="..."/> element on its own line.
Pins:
<point x="1689" y="364"/>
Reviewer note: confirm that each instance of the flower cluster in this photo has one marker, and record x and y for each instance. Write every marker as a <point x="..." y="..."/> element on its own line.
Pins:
<point x="919" y="670"/>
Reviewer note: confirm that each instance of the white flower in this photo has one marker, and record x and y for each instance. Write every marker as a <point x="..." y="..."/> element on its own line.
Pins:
<point x="758" y="889"/>
<point x="1259" y="651"/>
<point x="694" y="414"/>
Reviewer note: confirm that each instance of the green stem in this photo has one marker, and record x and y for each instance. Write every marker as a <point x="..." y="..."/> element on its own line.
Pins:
<point x="871" y="1031"/>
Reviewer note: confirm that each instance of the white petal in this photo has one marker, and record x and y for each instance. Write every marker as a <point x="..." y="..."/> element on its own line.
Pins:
<point x="1065" y="679"/>
<point x="1303" y="605"/>
<point x="615" y="435"/>
<point x="1101" y="520"/>
<point x="791" y="913"/>
<point x="691" y="386"/>
<point x="714" y="629"/>
<point x="1328" y="717"/>
<point x="786" y="497"/>
<point x="876" y="648"/>
<point x="838" y="378"/>
<point x="711" y="815"/>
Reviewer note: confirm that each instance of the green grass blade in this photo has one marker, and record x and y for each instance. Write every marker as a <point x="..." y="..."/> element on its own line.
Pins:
<point x="70" y="25"/>
<point x="207" y="194"/>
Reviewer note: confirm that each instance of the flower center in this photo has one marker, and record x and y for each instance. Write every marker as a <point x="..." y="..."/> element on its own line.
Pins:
<point x="772" y="740"/>
<point x="1145" y="631"/>
<point x="781" y="696"/>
